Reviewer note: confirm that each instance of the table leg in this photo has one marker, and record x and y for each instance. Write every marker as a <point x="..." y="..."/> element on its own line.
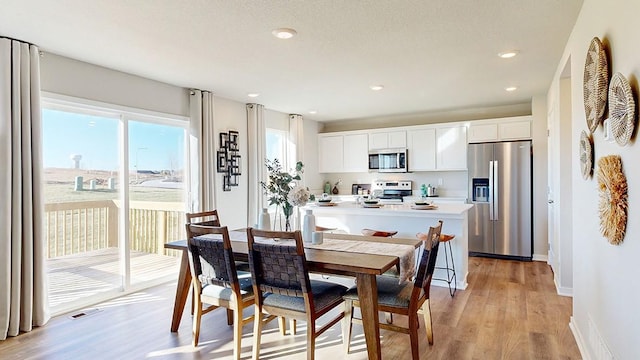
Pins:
<point x="368" y="297"/>
<point x="182" y="291"/>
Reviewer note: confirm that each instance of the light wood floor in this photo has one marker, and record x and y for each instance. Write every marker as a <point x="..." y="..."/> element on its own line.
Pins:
<point x="509" y="311"/>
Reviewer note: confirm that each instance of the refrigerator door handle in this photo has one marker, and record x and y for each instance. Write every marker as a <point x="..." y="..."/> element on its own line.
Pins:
<point x="491" y="190"/>
<point x="496" y="191"/>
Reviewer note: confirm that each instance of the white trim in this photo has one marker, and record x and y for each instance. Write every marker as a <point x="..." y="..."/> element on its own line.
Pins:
<point x="62" y="102"/>
<point x="582" y="346"/>
<point x="563" y="291"/>
<point x="538" y="257"/>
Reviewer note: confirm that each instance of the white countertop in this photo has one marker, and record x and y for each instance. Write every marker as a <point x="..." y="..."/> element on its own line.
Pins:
<point x="443" y="210"/>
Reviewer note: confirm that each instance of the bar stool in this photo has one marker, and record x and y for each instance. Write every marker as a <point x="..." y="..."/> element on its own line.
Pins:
<point x="451" y="271"/>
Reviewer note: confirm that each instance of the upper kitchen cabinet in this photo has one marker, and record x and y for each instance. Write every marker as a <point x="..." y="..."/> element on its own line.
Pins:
<point x="451" y="147"/>
<point x="421" y="149"/>
<point x="342" y="152"/>
<point x="387" y="140"/>
<point x="513" y="128"/>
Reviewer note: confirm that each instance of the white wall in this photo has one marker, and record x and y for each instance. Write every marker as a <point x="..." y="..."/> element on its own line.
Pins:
<point x="539" y="143"/>
<point x="232" y="205"/>
<point x="65" y="76"/>
<point x="605" y="290"/>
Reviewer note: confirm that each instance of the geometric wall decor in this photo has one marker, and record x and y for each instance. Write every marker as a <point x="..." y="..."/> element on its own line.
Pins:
<point x="622" y="109"/>
<point x="586" y="155"/>
<point x="228" y="159"/>
<point x="595" y="84"/>
<point x="612" y="185"/>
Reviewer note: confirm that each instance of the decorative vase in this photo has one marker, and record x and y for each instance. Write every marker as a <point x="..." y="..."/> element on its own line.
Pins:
<point x="264" y="220"/>
<point x="308" y="226"/>
<point x="335" y="190"/>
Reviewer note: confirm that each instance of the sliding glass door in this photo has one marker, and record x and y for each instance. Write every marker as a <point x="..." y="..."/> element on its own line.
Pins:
<point x="115" y="194"/>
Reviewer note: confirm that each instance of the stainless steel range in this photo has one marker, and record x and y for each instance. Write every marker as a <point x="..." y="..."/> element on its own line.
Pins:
<point x="391" y="192"/>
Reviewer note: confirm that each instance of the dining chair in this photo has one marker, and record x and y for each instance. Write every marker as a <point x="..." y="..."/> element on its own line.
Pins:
<point x="282" y="286"/>
<point x="208" y="218"/>
<point x="402" y="299"/>
<point x="215" y="280"/>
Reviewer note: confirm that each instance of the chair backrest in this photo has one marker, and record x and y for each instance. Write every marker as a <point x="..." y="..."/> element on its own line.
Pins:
<point x="278" y="268"/>
<point x="208" y="218"/>
<point x="428" y="258"/>
<point x="211" y="258"/>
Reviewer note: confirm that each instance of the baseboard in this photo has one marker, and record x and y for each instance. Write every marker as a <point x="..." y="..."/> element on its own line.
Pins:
<point x="538" y="257"/>
<point x="563" y="291"/>
<point x="582" y="345"/>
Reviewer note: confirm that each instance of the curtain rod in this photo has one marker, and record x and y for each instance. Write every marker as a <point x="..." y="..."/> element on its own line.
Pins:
<point x="14" y="39"/>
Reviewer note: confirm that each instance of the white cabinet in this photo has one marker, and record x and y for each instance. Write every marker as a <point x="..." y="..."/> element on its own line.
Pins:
<point x="330" y="153"/>
<point x="513" y="128"/>
<point x="387" y="140"/>
<point x="451" y="147"/>
<point x="421" y="149"/>
<point x="346" y="152"/>
<point x="356" y="155"/>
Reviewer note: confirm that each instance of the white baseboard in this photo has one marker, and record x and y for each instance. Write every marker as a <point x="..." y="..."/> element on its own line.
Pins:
<point x="563" y="291"/>
<point x="582" y="345"/>
<point x="538" y="257"/>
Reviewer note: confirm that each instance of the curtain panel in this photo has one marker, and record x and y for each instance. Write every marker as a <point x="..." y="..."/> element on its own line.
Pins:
<point x="202" y="142"/>
<point x="296" y="141"/>
<point x="257" y="154"/>
<point x="23" y="287"/>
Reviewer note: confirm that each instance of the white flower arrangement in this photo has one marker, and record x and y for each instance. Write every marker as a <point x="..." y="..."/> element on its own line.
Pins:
<point x="298" y="196"/>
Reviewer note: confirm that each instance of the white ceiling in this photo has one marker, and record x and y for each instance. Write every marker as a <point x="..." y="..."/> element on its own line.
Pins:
<point x="430" y="55"/>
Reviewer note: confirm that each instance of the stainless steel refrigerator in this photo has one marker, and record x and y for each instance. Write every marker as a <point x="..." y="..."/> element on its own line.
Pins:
<point x="500" y="187"/>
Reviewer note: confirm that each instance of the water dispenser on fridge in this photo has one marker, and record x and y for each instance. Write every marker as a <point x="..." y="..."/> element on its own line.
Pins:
<point x="480" y="188"/>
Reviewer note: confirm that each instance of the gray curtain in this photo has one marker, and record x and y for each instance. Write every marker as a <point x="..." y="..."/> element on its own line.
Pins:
<point x="23" y="287"/>
<point x="256" y="167"/>
<point x="202" y="142"/>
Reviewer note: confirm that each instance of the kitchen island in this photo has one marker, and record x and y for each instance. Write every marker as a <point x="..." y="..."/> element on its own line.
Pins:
<point x="352" y="218"/>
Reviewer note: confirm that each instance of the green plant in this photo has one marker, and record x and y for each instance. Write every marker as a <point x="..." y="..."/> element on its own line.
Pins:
<point x="279" y="185"/>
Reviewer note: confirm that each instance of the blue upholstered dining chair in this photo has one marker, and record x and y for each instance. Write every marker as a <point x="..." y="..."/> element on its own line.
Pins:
<point x="282" y="286"/>
<point x="215" y="280"/>
<point x="402" y="299"/>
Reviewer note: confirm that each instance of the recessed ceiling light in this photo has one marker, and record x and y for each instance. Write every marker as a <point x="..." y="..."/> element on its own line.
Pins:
<point x="511" y="88"/>
<point x="284" y="33"/>
<point x="252" y="95"/>
<point x="508" y="54"/>
<point x="376" y="87"/>
<point x="313" y="111"/>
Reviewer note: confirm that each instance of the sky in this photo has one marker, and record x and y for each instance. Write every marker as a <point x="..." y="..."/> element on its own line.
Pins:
<point x="151" y="146"/>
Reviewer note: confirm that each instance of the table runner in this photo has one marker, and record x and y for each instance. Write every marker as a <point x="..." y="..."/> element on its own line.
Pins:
<point x="405" y="253"/>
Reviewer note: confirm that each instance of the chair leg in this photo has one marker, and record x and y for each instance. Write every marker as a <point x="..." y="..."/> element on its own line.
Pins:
<point x="346" y="325"/>
<point x="257" y="333"/>
<point x="426" y="311"/>
<point x="230" y="317"/>
<point x="237" y="333"/>
<point x="197" y="315"/>
<point x="292" y="325"/>
<point x="282" y="325"/>
<point x="388" y="318"/>
<point x="311" y="338"/>
<point x="413" y="336"/>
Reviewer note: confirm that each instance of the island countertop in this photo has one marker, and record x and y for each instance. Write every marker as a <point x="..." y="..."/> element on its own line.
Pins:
<point x="444" y="211"/>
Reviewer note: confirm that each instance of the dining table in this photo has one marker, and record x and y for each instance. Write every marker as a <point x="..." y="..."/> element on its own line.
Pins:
<point x="363" y="265"/>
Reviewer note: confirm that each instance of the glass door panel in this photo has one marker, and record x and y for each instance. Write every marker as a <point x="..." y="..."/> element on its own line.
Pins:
<point x="157" y="193"/>
<point x="81" y="162"/>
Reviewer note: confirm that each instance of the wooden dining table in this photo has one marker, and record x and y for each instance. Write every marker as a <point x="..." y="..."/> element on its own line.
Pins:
<point x="363" y="266"/>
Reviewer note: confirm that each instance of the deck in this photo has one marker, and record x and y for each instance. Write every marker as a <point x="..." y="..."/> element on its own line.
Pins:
<point x="89" y="274"/>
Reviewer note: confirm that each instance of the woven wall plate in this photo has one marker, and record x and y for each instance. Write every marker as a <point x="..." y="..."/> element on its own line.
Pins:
<point x="622" y="109"/>
<point x="612" y="185"/>
<point x="586" y="155"/>
<point x="595" y="84"/>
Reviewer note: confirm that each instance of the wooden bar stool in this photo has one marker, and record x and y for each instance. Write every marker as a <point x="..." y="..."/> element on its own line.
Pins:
<point x="445" y="239"/>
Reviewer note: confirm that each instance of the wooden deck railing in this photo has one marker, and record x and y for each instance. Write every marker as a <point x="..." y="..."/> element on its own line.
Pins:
<point x="76" y="227"/>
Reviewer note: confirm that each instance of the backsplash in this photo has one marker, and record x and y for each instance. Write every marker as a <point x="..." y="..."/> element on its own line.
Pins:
<point x="454" y="183"/>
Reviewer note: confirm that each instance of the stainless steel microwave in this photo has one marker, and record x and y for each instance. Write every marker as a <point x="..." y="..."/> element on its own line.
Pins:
<point x="388" y="160"/>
